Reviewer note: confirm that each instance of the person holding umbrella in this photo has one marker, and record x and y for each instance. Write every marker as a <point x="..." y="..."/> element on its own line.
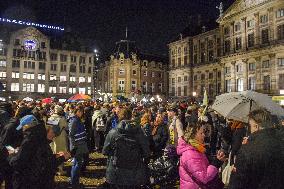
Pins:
<point x="259" y="163"/>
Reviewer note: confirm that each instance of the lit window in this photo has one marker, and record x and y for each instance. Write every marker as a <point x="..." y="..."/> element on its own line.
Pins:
<point x="145" y="73"/>
<point x="121" y="71"/>
<point x="52" y="89"/>
<point x="28" y="87"/>
<point x="72" y="90"/>
<point x="52" y="77"/>
<point x="3" y="75"/>
<point x="16" y="75"/>
<point x="82" y="79"/>
<point x="15" y="86"/>
<point x="89" y="79"/>
<point x="133" y="85"/>
<point x="72" y="78"/>
<point x="62" y="90"/>
<point x="250" y="23"/>
<point x="280" y="13"/>
<point x="41" y="88"/>
<point x="89" y="90"/>
<point x="3" y="63"/>
<point x="240" y="85"/>
<point x="28" y="76"/>
<point x="153" y="74"/>
<point x="63" y="78"/>
<point x="82" y="90"/>
<point x="41" y="77"/>
<point x="121" y="85"/>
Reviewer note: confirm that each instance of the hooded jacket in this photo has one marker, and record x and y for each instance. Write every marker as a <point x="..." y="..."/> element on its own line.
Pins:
<point x="120" y="176"/>
<point x="193" y="166"/>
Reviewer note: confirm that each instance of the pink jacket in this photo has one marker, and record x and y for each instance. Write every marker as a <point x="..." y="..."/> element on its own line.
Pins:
<point x="193" y="164"/>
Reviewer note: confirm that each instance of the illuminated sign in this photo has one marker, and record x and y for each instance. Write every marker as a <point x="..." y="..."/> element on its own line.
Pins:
<point x="30" y="44"/>
<point x="27" y="23"/>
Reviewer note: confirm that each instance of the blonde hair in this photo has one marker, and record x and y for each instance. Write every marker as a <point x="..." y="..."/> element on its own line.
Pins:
<point x="191" y="130"/>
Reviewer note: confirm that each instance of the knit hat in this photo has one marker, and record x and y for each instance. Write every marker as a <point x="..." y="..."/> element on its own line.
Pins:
<point x="27" y="120"/>
<point x="58" y="109"/>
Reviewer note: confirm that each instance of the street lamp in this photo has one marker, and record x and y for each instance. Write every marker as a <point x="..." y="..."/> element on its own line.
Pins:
<point x="95" y="51"/>
<point x="194" y="93"/>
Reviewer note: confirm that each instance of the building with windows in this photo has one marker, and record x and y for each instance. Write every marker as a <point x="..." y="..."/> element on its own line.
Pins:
<point x="129" y="72"/>
<point x="31" y="65"/>
<point x="244" y="52"/>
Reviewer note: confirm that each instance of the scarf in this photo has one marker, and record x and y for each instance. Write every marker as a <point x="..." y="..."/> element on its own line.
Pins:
<point x="237" y="125"/>
<point x="197" y="145"/>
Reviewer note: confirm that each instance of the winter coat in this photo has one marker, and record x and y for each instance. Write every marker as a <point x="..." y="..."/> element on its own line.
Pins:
<point x="160" y="139"/>
<point x="175" y="122"/>
<point x="193" y="166"/>
<point x="120" y="176"/>
<point x="60" y="142"/>
<point x="9" y="136"/>
<point x="259" y="163"/>
<point x="34" y="165"/>
<point x="77" y="137"/>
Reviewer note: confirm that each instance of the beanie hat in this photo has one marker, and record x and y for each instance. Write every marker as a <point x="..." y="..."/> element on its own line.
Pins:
<point x="27" y="120"/>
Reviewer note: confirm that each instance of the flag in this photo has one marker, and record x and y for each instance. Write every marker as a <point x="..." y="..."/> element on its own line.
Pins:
<point x="205" y="98"/>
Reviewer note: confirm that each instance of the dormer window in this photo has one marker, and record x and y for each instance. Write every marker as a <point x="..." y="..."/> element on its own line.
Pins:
<point x="145" y="63"/>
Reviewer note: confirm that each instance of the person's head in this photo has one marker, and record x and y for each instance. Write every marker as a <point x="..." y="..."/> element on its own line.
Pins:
<point x="172" y="112"/>
<point x="195" y="131"/>
<point x="50" y="135"/>
<point x="145" y="119"/>
<point x="260" y="119"/>
<point x="124" y="114"/>
<point x="79" y="111"/>
<point x="117" y="109"/>
<point x="159" y="119"/>
<point x="58" y="110"/>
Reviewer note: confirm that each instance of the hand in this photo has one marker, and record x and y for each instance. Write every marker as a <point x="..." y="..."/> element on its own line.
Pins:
<point x="245" y="140"/>
<point x="67" y="155"/>
<point x="59" y="154"/>
<point x="221" y="156"/>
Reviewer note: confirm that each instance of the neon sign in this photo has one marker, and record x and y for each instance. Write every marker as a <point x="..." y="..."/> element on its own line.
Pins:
<point x="27" y="23"/>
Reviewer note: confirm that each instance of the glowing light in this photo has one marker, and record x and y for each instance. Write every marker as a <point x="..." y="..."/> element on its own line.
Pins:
<point x="30" y="44"/>
<point x="281" y="92"/>
<point x="194" y="93"/>
<point x="27" y="23"/>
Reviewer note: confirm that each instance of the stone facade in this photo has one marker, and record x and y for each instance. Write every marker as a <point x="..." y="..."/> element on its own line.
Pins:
<point x="246" y="52"/>
<point x="129" y="72"/>
<point x="30" y="67"/>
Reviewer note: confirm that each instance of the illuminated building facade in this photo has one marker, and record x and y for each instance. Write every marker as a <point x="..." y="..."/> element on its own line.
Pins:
<point x="129" y="72"/>
<point x="245" y="52"/>
<point x="31" y="67"/>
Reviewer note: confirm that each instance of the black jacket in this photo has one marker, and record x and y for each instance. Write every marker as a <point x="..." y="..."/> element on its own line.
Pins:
<point x="259" y="164"/>
<point x="120" y="176"/>
<point x="160" y="139"/>
<point x="34" y="165"/>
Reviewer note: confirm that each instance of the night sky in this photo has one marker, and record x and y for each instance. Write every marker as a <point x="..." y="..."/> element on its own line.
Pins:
<point x="151" y="23"/>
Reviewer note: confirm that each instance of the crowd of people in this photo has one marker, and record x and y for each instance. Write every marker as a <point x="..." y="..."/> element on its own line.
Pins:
<point x="146" y="144"/>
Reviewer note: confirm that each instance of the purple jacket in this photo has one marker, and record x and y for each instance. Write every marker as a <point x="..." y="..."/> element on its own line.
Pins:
<point x="193" y="164"/>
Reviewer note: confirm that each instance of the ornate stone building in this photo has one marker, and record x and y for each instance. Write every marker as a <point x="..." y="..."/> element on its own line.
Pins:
<point x="130" y="72"/>
<point x="245" y="52"/>
<point x="31" y="67"/>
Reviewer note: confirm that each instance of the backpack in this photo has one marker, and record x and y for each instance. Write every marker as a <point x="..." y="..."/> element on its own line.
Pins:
<point x="127" y="153"/>
<point x="100" y="123"/>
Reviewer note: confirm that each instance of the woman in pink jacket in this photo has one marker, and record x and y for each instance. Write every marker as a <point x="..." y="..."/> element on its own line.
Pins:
<point x="195" y="171"/>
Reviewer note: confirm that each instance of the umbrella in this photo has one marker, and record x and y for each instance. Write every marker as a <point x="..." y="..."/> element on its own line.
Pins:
<point x="28" y="99"/>
<point x="47" y="100"/>
<point x="238" y="105"/>
<point x="79" y="97"/>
